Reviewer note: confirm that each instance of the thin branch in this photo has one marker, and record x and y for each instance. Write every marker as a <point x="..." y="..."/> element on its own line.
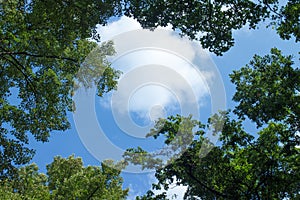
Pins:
<point x="92" y="194"/>
<point x="2" y="66"/>
<point x="17" y="64"/>
<point x="37" y="56"/>
<point x="205" y="186"/>
<point x="274" y="11"/>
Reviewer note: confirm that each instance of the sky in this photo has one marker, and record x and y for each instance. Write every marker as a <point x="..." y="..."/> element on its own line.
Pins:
<point x="163" y="74"/>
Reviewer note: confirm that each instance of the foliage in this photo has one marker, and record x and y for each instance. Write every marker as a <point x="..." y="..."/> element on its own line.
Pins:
<point x="268" y="89"/>
<point x="212" y="22"/>
<point x="246" y="165"/>
<point x="289" y="23"/>
<point x="65" y="179"/>
<point x="42" y="47"/>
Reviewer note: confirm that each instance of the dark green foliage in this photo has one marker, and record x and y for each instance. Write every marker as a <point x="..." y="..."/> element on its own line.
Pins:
<point x="42" y="47"/>
<point x="212" y="22"/>
<point x="288" y="21"/>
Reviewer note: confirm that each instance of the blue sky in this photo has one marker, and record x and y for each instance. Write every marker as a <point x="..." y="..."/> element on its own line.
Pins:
<point x="124" y="116"/>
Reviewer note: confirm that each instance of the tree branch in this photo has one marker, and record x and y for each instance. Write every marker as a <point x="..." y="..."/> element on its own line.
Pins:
<point x="189" y="172"/>
<point x="92" y="194"/>
<point x="274" y="11"/>
<point x="17" y="64"/>
<point x="37" y="56"/>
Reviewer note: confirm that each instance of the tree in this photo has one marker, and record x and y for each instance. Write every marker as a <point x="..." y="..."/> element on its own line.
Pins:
<point x="212" y="22"/>
<point x="260" y="165"/>
<point x="65" y="179"/>
<point x="43" y="44"/>
<point x="271" y="78"/>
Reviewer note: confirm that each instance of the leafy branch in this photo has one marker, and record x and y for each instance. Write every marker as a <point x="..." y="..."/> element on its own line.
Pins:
<point x="37" y="56"/>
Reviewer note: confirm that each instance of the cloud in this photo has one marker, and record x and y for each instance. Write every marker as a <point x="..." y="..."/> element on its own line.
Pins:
<point x="133" y="193"/>
<point x="163" y="74"/>
<point x="159" y="75"/>
<point x="124" y="24"/>
<point x="175" y="192"/>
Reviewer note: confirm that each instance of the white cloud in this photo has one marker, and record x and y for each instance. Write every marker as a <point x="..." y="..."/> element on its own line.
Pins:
<point x="124" y="24"/>
<point x="175" y="192"/>
<point x="225" y="8"/>
<point x="162" y="73"/>
<point x="133" y="193"/>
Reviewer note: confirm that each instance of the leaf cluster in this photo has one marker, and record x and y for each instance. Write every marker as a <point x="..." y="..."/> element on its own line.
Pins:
<point x="212" y="22"/>
<point x="66" y="178"/>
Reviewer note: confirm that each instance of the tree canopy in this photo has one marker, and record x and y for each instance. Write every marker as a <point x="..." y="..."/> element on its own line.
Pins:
<point x="66" y="178"/>
<point x="43" y="45"/>
<point x="212" y="22"/>
<point x="246" y="165"/>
